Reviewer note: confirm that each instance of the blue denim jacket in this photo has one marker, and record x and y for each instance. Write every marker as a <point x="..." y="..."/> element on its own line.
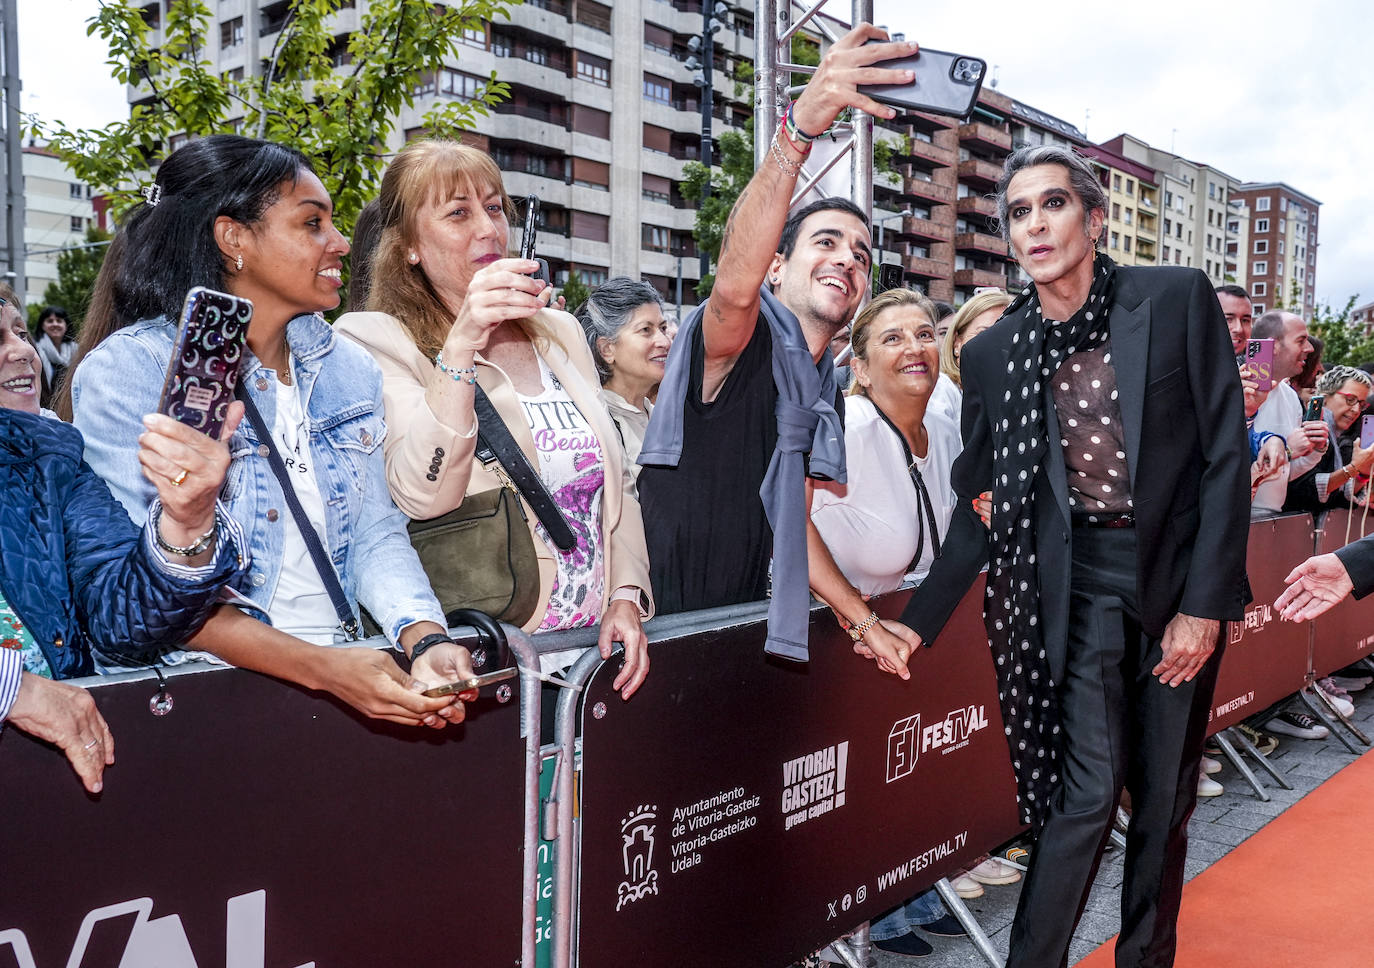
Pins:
<point x="120" y="381"/>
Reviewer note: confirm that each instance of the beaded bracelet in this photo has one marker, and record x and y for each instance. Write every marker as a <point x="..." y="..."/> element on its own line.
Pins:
<point x="466" y="374"/>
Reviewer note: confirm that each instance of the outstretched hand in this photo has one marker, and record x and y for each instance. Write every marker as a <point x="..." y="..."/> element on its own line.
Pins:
<point x="1314" y="587"/>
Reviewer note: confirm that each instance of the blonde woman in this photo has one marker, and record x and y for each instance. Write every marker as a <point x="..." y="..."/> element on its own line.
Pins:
<point x="448" y="311"/>
<point x="973" y="317"/>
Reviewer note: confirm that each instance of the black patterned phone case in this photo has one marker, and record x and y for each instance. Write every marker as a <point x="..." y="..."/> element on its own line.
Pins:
<point x="204" y="368"/>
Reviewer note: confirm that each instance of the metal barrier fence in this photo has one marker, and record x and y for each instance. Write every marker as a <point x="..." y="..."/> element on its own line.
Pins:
<point x="739" y="810"/>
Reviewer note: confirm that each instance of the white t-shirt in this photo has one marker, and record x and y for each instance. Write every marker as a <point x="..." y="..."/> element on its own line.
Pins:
<point x="870" y="524"/>
<point x="572" y="468"/>
<point x="1281" y="413"/>
<point x="300" y="605"/>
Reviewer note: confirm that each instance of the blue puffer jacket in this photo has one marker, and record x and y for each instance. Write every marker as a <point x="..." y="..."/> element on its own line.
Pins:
<point x="73" y="567"/>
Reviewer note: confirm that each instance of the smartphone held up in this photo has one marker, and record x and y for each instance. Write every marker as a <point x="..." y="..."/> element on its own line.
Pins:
<point x="204" y="368"/>
<point x="944" y="83"/>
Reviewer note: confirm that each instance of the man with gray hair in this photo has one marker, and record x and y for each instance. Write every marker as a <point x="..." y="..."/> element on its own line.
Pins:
<point x="1281" y="413"/>
<point x="1104" y="414"/>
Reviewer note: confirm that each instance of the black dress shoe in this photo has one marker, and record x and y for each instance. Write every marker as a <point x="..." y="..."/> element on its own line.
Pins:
<point x="947" y="927"/>
<point x="906" y="944"/>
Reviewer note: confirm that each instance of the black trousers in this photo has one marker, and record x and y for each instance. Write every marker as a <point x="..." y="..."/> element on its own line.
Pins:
<point x="1121" y="727"/>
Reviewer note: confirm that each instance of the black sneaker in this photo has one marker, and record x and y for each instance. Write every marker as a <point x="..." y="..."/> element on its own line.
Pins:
<point x="947" y="926"/>
<point x="905" y="944"/>
<point x="1298" y="725"/>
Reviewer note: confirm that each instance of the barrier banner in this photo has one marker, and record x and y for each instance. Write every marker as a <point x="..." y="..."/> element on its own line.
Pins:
<point x="259" y="825"/>
<point x="1346" y="633"/>
<point x="1265" y="658"/>
<point x="742" y="810"/>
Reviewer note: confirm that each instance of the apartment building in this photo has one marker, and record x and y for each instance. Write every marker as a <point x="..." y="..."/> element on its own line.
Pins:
<point x="58" y="209"/>
<point x="1282" y="249"/>
<point x="603" y="114"/>
<point x="1131" y="234"/>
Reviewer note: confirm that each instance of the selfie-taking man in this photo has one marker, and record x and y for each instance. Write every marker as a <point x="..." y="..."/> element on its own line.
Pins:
<point x="1282" y="411"/>
<point x="1104" y="413"/>
<point x="747" y="407"/>
<point x="1239" y="313"/>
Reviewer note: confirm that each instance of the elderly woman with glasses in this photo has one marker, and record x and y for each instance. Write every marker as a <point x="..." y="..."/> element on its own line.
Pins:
<point x="1342" y="472"/>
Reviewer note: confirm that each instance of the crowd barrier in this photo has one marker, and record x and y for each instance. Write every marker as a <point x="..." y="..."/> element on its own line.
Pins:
<point x="740" y="810"/>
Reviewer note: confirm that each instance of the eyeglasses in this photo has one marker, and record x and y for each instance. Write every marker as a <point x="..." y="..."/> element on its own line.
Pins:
<point x="1353" y="400"/>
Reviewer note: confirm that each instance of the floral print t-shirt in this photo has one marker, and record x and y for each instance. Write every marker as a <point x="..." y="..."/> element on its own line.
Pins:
<point x="13" y="635"/>
<point x="571" y="466"/>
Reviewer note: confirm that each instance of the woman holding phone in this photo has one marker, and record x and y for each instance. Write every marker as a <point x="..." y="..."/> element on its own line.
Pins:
<point x="251" y="218"/>
<point x="449" y="311"/>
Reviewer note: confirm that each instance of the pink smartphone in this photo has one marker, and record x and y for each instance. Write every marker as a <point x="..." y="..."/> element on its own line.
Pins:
<point x="204" y="368"/>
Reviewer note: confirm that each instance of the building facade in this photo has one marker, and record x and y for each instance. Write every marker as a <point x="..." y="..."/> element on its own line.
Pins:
<point x="58" y="209"/>
<point x="1282" y="250"/>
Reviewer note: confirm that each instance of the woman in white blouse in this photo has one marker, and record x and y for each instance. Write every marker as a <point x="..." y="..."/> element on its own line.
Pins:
<point x="883" y="525"/>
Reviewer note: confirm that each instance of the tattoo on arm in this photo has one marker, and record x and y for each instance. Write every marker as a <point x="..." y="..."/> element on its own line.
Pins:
<point x="730" y="222"/>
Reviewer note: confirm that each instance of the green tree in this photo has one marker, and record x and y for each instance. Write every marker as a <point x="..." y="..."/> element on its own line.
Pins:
<point x="335" y="99"/>
<point x="1343" y="341"/>
<point x="575" y="292"/>
<point x="76" y="272"/>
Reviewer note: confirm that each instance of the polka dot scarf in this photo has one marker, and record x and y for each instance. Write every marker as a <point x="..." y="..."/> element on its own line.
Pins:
<point x="1011" y="610"/>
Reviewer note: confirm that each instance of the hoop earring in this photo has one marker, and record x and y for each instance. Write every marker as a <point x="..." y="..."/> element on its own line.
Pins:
<point x="238" y="263"/>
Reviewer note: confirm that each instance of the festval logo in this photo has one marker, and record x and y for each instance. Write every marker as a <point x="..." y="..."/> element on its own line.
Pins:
<point x="902" y="749"/>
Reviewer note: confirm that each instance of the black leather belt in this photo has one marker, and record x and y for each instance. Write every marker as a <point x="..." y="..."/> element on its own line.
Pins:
<point x="1122" y="519"/>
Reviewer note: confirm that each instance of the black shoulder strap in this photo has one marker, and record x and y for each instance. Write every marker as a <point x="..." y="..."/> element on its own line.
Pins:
<point x="323" y="565"/>
<point x="925" y="510"/>
<point x="494" y="438"/>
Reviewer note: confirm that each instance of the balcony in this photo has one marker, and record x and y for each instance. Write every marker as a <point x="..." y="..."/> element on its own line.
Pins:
<point x="980" y="242"/>
<point x="928" y="191"/>
<point x="925" y="268"/>
<point x="979" y="278"/>
<point x="926" y="122"/>
<point x="976" y="205"/>
<point x="931" y="153"/>
<point x="975" y="172"/>
<point x="924" y="230"/>
<point x="985" y="136"/>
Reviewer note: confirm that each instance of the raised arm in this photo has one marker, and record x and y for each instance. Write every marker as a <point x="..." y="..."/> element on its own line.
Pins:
<point x="755" y="224"/>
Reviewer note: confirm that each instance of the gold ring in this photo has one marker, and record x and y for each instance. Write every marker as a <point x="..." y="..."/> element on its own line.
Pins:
<point x="180" y="478"/>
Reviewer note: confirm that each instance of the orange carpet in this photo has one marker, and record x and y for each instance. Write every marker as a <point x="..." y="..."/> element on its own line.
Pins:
<point x="1297" y="894"/>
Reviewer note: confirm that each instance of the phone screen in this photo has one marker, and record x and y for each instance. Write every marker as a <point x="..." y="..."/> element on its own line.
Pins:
<point x="204" y="368"/>
<point x="473" y="682"/>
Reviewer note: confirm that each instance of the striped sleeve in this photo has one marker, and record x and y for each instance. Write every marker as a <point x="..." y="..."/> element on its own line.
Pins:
<point x="11" y="674"/>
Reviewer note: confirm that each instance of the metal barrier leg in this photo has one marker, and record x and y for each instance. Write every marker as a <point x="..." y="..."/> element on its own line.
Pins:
<point x="1322" y="699"/>
<point x="1244" y="742"/>
<point x="854" y="949"/>
<point x="565" y="898"/>
<point x="976" y="934"/>
<point x="528" y="661"/>
<point x="1239" y="763"/>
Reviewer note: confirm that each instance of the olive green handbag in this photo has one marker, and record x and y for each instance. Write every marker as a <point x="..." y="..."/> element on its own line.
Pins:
<point x="481" y="555"/>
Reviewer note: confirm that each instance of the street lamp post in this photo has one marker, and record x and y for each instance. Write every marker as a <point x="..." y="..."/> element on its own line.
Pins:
<point x="712" y="20"/>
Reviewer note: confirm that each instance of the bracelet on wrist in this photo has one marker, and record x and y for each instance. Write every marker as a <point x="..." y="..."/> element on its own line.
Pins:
<point x="460" y="374"/>
<point x="427" y="643"/>
<point x="788" y="167"/>
<point x="199" y="546"/>
<point x="790" y="122"/>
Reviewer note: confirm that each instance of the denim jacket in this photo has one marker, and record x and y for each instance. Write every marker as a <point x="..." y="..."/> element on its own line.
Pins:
<point x="121" y="380"/>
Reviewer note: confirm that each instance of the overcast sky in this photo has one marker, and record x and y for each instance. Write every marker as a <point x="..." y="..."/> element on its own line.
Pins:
<point x="1262" y="89"/>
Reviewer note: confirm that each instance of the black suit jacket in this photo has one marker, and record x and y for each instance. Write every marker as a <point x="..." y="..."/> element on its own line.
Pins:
<point x="1358" y="558"/>
<point x="1186" y="448"/>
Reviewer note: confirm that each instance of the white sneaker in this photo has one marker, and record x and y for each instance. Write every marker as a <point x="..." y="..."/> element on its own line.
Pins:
<point x="1300" y="725"/>
<point x="993" y="870"/>
<point x="1208" y="787"/>
<point x="965" y="886"/>
<point x="1345" y="706"/>
<point x="1210" y="766"/>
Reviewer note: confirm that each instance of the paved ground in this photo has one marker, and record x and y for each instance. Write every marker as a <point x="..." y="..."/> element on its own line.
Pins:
<point x="1219" y="824"/>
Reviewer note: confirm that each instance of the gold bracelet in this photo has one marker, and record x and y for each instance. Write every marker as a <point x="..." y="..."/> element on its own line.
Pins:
<point x="789" y="168"/>
<point x="857" y="632"/>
